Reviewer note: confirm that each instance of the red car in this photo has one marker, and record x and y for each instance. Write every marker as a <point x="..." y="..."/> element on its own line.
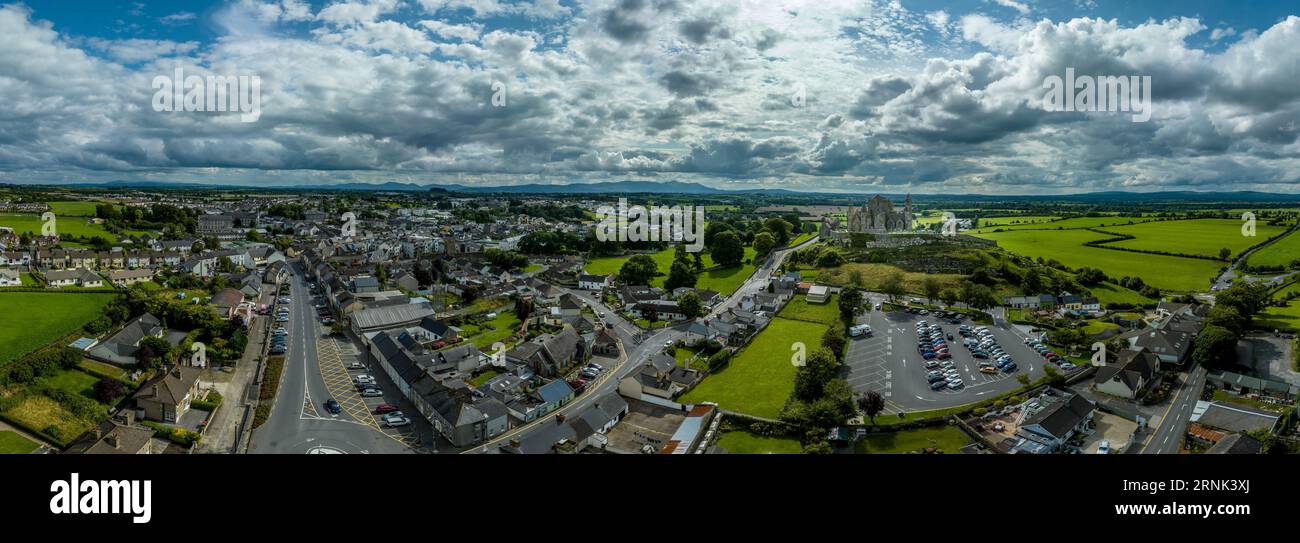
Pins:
<point x="385" y="408"/>
<point x="943" y="356"/>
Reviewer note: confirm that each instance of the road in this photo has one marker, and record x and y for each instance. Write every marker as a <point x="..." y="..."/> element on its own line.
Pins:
<point x="1168" y="438"/>
<point x="633" y="359"/>
<point x="1225" y="279"/>
<point x="299" y="422"/>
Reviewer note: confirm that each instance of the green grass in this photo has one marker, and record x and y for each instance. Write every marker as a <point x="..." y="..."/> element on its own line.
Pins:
<point x="32" y="319"/>
<point x="532" y="268"/>
<point x="74" y="381"/>
<point x="14" y="443"/>
<point x="484" y="377"/>
<point x="801" y="238"/>
<point x="1019" y="220"/>
<point x="1108" y="293"/>
<point x="1094" y="327"/>
<point x="799" y="309"/>
<point x="723" y="281"/>
<point x="760" y="379"/>
<point x="943" y="438"/>
<point x="740" y="442"/>
<point x="37" y="412"/>
<point x="1077" y="222"/>
<point x="95" y="367"/>
<point x="506" y="324"/>
<point x="1066" y="246"/>
<point x="1194" y="237"/>
<point x="1280" y="318"/>
<point x="69" y="226"/>
<point x="73" y="208"/>
<point x="1280" y="253"/>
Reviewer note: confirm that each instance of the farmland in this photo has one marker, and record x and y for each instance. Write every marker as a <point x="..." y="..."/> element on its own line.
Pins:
<point x="1067" y="247"/>
<point x="1194" y="237"/>
<point x="1017" y="220"/>
<point x="1280" y="253"/>
<point x="72" y="226"/>
<point x="1066" y="224"/>
<point x="32" y="319"/>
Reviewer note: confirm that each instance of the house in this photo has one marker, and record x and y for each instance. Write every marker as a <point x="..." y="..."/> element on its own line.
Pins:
<point x="431" y="329"/>
<point x="406" y="281"/>
<point x="549" y="354"/>
<point x="1040" y="301"/>
<point x="1130" y="376"/>
<point x="657" y="310"/>
<point x="227" y="301"/>
<point x="594" y="282"/>
<point x="691" y="435"/>
<point x="116" y="436"/>
<point x="1233" y="417"/>
<point x="1252" y="387"/>
<point x="1048" y="428"/>
<point x="818" y="294"/>
<point x="1069" y="302"/>
<point x="1091" y="304"/>
<point x="167" y="397"/>
<point x="10" y="278"/>
<point x="574" y="433"/>
<point x="638" y="293"/>
<point x="80" y="277"/>
<point x="660" y="378"/>
<point x="604" y="342"/>
<point x="567" y="309"/>
<point x="124" y="278"/>
<point x="121" y="348"/>
<point x="1171" y="345"/>
<point x="390" y="317"/>
<point x="362" y="285"/>
<point x="1236" y="444"/>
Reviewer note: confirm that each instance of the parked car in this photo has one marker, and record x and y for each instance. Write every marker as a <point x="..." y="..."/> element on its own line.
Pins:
<point x="938" y="385"/>
<point x="939" y="377"/>
<point x="587" y="374"/>
<point x="385" y="408"/>
<point x="372" y="393"/>
<point x="396" y="422"/>
<point x="860" y="330"/>
<point x="356" y="366"/>
<point x="988" y="369"/>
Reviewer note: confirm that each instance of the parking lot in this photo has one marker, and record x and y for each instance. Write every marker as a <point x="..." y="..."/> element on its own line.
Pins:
<point x="888" y="362"/>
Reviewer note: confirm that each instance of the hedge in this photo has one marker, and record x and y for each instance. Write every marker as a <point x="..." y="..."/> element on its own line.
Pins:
<point x="179" y="436"/>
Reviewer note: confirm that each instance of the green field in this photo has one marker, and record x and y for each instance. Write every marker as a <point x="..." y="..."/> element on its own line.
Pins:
<point x="740" y="442"/>
<point x="799" y="309"/>
<point x="1066" y="246"/>
<point x="13" y="443"/>
<point x="723" y="281"/>
<point x="506" y="324"/>
<point x="1018" y="220"/>
<point x="1194" y="237"/>
<point x="942" y="438"/>
<point x="37" y="412"/>
<point x="73" y="208"/>
<point x="32" y="319"/>
<point x="1280" y="253"/>
<point x="1284" y="318"/>
<point x="760" y="379"/>
<point x="70" y="226"/>
<point x="74" y="381"/>
<point x="1108" y="293"/>
<point x="1077" y="222"/>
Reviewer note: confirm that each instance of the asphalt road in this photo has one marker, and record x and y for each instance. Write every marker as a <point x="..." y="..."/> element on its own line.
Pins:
<point x="299" y="422"/>
<point x="1168" y="438"/>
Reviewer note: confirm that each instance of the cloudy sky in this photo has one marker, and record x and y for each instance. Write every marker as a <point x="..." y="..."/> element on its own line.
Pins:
<point x="826" y="95"/>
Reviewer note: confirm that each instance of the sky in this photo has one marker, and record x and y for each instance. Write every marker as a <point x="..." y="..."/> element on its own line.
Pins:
<point x="856" y="96"/>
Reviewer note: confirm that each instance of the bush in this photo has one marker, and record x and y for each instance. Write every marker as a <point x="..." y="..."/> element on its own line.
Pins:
<point x="208" y="403"/>
<point x="999" y="405"/>
<point x="719" y="359"/>
<point x="980" y="411"/>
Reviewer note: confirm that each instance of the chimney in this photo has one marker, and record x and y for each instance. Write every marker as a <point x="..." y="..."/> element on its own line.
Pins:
<point x="128" y="417"/>
<point x="111" y="440"/>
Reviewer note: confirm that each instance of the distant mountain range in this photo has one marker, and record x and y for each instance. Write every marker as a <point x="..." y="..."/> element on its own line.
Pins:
<point x="680" y="187"/>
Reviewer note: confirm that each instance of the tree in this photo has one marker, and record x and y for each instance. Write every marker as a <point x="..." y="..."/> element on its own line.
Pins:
<point x="932" y="288"/>
<point x="152" y="351"/>
<point x="780" y="230"/>
<point x="855" y="277"/>
<point x="763" y="243"/>
<point x="638" y="270"/>
<point x="1090" y="277"/>
<point x="1227" y="316"/>
<point x="690" y="305"/>
<point x="1224" y="253"/>
<point x="468" y="295"/>
<point x="108" y="390"/>
<point x="830" y="258"/>
<point x="1248" y="298"/>
<point x="681" y="274"/>
<point x="871" y="404"/>
<point x="1214" y="345"/>
<point x="1032" y="283"/>
<point x="850" y="301"/>
<point x="726" y="249"/>
<point x="833" y="340"/>
<point x="819" y="368"/>
<point x="523" y="308"/>
<point x="892" y="285"/>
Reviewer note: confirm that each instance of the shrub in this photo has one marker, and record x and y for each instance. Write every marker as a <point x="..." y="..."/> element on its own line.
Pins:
<point x="1000" y="404"/>
<point x="719" y="359"/>
<point x="980" y="411"/>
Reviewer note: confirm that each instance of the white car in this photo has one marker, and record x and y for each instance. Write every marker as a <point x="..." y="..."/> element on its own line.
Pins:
<point x="396" y="422"/>
<point x="860" y="330"/>
<point x="1104" y="447"/>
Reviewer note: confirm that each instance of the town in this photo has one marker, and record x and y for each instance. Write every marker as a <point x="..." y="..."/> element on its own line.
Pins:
<point x="285" y="322"/>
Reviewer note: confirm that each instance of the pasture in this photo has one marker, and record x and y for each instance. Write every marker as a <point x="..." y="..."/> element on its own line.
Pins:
<point x="32" y="319"/>
<point x="760" y="379"/>
<point x="1281" y="253"/>
<point x="1194" y="237"/>
<point x="724" y="281"/>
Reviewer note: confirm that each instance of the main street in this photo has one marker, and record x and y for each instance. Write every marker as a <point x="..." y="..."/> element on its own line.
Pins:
<point x="299" y="422"/>
<point x="1168" y="437"/>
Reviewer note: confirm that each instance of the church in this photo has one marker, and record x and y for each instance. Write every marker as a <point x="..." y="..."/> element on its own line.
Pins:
<point x="878" y="216"/>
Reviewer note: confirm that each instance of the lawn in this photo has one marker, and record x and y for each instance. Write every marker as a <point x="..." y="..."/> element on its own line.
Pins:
<point x="943" y="438"/>
<point x="14" y="443"/>
<point x="1066" y="246"/>
<point x="723" y="281"/>
<point x="740" y="442"/>
<point x="95" y="367"/>
<point x="1018" y="220"/>
<point x="505" y="325"/>
<point x="799" y="309"/>
<point x="1194" y="237"/>
<point x="74" y="381"/>
<point x="484" y="377"/>
<point x="532" y="268"/>
<point x="1280" y="318"/>
<point x="759" y="380"/>
<point x="1094" y="327"/>
<point x="73" y="208"/>
<point x="32" y="319"/>
<point x="802" y="238"/>
<point x="1280" y="253"/>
